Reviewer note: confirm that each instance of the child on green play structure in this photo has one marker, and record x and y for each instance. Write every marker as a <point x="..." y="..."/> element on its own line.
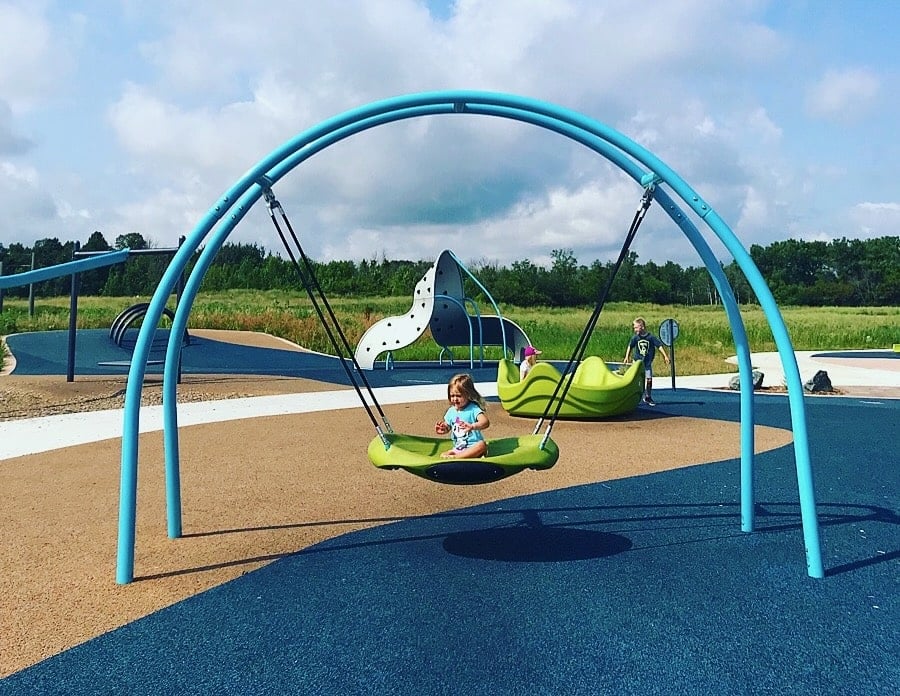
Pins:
<point x="464" y="420"/>
<point x="529" y="357"/>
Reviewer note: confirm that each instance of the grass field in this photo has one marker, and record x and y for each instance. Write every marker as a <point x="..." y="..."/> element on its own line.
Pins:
<point x="704" y="339"/>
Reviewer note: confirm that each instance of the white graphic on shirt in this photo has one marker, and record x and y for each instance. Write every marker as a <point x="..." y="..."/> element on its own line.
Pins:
<point x="643" y="346"/>
<point x="460" y="435"/>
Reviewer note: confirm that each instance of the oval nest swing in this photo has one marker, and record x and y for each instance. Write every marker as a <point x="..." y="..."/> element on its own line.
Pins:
<point x="422" y="456"/>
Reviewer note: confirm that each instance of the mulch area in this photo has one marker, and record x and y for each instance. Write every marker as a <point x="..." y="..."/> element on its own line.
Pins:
<point x="50" y="395"/>
<point x="31" y="397"/>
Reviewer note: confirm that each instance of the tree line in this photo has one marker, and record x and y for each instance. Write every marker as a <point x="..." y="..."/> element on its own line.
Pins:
<point x="837" y="273"/>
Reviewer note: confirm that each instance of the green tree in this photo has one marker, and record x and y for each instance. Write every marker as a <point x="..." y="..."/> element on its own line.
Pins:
<point x="92" y="282"/>
<point x="132" y="240"/>
<point x="560" y="281"/>
<point x="51" y="252"/>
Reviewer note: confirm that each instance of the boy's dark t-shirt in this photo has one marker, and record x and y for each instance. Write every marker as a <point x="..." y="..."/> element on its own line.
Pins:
<point x="644" y="346"/>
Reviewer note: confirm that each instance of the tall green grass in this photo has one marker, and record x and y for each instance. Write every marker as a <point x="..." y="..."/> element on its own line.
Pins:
<point x="703" y="344"/>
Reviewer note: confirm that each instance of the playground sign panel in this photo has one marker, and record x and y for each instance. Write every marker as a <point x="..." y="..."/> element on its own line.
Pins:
<point x="668" y="332"/>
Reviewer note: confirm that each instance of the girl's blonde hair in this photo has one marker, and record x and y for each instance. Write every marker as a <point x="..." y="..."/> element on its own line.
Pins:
<point x="466" y="386"/>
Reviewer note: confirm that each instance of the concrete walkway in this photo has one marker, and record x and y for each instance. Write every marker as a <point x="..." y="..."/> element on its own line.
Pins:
<point x="846" y="369"/>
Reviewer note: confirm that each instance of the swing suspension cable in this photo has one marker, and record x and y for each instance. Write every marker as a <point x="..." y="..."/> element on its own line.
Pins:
<point x="319" y="300"/>
<point x="562" y="387"/>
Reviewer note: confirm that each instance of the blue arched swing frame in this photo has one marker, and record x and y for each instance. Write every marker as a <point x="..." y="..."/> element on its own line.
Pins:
<point x="214" y="228"/>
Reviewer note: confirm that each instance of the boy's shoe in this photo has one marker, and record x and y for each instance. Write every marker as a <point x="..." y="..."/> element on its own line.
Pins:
<point x="649" y="401"/>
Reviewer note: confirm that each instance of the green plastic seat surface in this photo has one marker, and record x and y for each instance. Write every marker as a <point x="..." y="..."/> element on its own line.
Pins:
<point x="421" y="456"/>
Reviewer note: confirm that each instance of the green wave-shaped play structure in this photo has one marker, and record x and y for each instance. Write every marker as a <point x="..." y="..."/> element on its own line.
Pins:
<point x="595" y="391"/>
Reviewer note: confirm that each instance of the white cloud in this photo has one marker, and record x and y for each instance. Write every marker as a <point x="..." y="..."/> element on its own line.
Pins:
<point x="161" y="217"/>
<point x="11" y="142"/>
<point x="843" y="94"/>
<point x="870" y="220"/>
<point x="67" y="210"/>
<point x="165" y="105"/>
<point x="592" y="221"/>
<point x="160" y="134"/>
<point x="755" y="212"/>
<point x="879" y="208"/>
<point x="35" y="55"/>
<point x="759" y="121"/>
<point x="22" y="198"/>
<point x="21" y="176"/>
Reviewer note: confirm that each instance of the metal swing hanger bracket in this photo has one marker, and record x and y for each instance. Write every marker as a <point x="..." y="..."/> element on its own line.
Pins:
<point x="649" y="182"/>
<point x="271" y="202"/>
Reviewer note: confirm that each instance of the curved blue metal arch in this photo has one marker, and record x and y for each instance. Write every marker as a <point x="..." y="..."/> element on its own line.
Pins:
<point x="589" y="140"/>
<point x="603" y="139"/>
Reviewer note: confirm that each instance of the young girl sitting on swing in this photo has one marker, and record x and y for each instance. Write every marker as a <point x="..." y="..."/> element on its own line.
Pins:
<point x="464" y="420"/>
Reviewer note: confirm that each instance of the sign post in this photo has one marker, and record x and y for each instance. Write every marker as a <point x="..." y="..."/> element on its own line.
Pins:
<point x="668" y="332"/>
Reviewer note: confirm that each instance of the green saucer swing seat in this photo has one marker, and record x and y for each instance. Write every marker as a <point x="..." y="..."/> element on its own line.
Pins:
<point x="422" y="456"/>
<point x="595" y="392"/>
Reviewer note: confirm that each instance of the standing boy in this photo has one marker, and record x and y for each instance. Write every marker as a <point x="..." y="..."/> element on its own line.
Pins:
<point x="644" y="345"/>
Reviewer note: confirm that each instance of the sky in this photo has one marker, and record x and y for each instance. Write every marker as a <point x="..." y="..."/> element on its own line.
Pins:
<point x="125" y="116"/>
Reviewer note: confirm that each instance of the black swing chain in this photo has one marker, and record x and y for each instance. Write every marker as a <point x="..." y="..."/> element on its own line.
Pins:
<point x="313" y="289"/>
<point x="562" y="387"/>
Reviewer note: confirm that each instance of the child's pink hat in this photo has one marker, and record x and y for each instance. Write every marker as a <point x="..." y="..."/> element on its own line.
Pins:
<point x="531" y="350"/>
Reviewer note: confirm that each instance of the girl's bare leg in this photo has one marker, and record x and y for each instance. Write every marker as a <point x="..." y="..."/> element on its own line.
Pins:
<point x="479" y="449"/>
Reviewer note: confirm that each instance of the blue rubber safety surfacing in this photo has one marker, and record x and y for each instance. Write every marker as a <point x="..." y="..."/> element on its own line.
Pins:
<point x="45" y="353"/>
